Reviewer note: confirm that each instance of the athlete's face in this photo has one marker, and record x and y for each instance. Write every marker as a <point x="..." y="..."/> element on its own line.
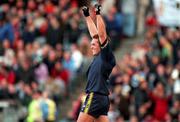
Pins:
<point x="95" y="46"/>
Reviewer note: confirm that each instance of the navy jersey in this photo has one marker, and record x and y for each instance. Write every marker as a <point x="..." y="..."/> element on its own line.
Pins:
<point x="99" y="71"/>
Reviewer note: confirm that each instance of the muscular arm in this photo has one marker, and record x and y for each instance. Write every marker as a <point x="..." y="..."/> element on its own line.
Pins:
<point x="98" y="32"/>
<point x="91" y="27"/>
<point x="101" y="27"/>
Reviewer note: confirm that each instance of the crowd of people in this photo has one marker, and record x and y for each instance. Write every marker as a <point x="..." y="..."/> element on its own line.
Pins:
<point x="42" y="49"/>
<point x="145" y="84"/>
<point x="146" y="88"/>
<point x="43" y="46"/>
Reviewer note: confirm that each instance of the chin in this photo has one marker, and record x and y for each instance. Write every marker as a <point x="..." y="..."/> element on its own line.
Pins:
<point x="94" y="54"/>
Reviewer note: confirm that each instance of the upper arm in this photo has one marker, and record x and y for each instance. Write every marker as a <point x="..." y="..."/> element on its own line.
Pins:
<point x="106" y="52"/>
<point x="105" y="43"/>
<point x="102" y="38"/>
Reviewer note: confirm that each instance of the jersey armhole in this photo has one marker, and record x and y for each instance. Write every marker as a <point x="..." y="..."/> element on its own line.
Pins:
<point x="105" y="43"/>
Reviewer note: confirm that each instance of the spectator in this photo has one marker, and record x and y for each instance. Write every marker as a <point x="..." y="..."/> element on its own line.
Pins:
<point x="48" y="108"/>
<point x="56" y="89"/>
<point x="77" y="57"/>
<point x="34" y="109"/>
<point x="166" y="50"/>
<point x="25" y="72"/>
<point x="24" y="94"/>
<point x="160" y="101"/>
<point x="74" y="31"/>
<point x="6" y="29"/>
<point x="60" y="72"/>
<point x="174" y="110"/>
<point x="175" y="41"/>
<point x="113" y="112"/>
<point x="54" y="33"/>
<point x="49" y="57"/>
<point x="141" y="98"/>
<point x="4" y="90"/>
<point x="84" y="46"/>
<point x="114" y="25"/>
<point x="6" y="73"/>
<point x="30" y="32"/>
<point x="41" y="71"/>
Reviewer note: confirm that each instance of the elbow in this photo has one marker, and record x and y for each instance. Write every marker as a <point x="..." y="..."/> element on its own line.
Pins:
<point x="102" y="37"/>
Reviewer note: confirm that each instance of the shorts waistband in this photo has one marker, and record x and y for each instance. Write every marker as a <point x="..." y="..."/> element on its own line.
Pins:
<point x="97" y="93"/>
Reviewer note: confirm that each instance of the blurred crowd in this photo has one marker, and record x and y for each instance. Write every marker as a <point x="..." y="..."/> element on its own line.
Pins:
<point x="44" y="45"/>
<point x="145" y="84"/>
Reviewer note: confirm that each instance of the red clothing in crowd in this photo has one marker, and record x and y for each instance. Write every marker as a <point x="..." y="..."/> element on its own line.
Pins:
<point x="161" y="106"/>
<point x="49" y="8"/>
<point x="62" y="74"/>
<point x="151" y="21"/>
<point x="1" y="76"/>
<point x="10" y="77"/>
<point x="74" y="3"/>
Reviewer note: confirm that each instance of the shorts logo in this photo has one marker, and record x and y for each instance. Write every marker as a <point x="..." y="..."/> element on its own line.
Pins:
<point x="88" y="103"/>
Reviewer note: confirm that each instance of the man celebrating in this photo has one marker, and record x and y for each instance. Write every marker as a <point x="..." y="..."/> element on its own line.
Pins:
<point x="97" y="103"/>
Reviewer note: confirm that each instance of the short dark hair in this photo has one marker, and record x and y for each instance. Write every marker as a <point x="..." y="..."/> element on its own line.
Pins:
<point x="37" y="91"/>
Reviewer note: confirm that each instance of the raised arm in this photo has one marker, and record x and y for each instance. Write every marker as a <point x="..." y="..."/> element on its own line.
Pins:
<point x="98" y="32"/>
<point x="101" y="27"/>
<point x="90" y="24"/>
